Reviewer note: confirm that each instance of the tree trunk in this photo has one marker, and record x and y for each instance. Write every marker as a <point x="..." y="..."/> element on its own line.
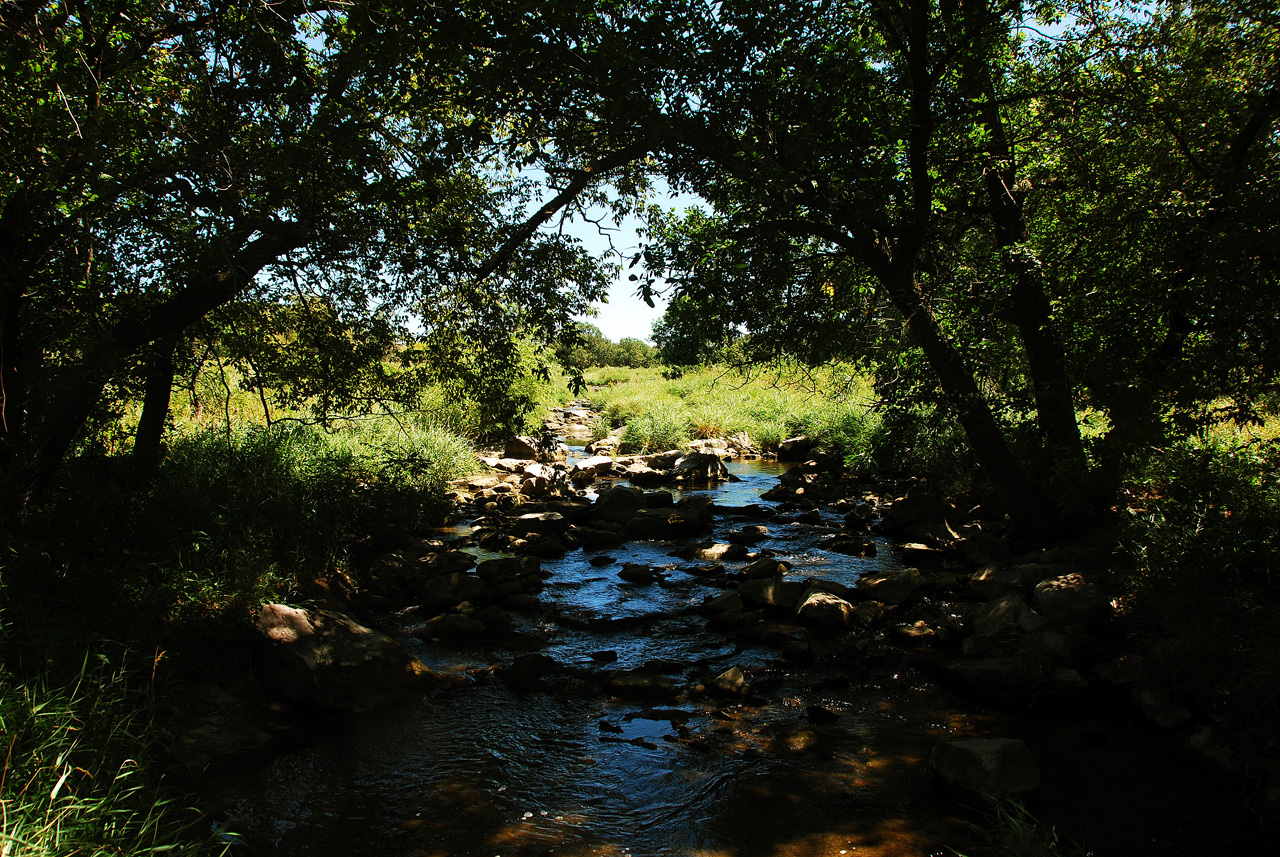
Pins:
<point x="16" y="227"/>
<point x="69" y="408"/>
<point x="1023" y="496"/>
<point x="1031" y="310"/>
<point x="155" y="409"/>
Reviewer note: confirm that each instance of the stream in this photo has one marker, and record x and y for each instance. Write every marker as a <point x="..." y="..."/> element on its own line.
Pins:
<point x="827" y="760"/>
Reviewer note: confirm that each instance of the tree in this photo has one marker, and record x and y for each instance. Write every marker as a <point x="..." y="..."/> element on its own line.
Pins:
<point x="164" y="159"/>
<point x="1153" y="145"/>
<point x="901" y="155"/>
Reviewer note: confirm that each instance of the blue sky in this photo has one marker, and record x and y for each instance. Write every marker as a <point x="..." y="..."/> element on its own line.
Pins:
<point x="626" y="315"/>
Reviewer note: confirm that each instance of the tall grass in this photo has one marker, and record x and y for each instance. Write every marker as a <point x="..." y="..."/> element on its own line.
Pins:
<point x="78" y="775"/>
<point x="657" y="430"/>
<point x="831" y="406"/>
<point x="233" y="516"/>
<point x="1010" y="830"/>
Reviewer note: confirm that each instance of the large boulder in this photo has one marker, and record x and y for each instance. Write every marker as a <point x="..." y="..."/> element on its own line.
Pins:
<point x="773" y="592"/>
<point x="731" y="682"/>
<point x="1006" y="616"/>
<point x="699" y="468"/>
<point x="891" y="587"/>
<point x="993" y="582"/>
<point x="542" y="523"/>
<point x="619" y="504"/>
<point x="664" y="460"/>
<point x="765" y="567"/>
<point x="991" y="767"/>
<point x="589" y="468"/>
<point x="523" y="448"/>
<point x="825" y="611"/>
<point x="1071" y="599"/>
<point x="684" y="520"/>
<point x="715" y="552"/>
<point x="326" y="659"/>
<point x="593" y="538"/>
<point x="924" y="516"/>
<point x="795" y="448"/>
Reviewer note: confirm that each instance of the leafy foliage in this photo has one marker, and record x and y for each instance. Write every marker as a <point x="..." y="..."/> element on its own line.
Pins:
<point x="1032" y="227"/>
<point x="315" y="172"/>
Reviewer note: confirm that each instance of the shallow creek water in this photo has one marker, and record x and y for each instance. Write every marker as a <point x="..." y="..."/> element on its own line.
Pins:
<point x="480" y="769"/>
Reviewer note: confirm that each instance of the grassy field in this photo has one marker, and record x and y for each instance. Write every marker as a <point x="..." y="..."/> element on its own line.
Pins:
<point x="831" y="405"/>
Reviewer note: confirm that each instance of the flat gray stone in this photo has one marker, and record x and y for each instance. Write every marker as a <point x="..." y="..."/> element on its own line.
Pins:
<point x="988" y="766"/>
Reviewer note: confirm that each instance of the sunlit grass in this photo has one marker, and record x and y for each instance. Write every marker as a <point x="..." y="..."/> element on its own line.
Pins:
<point x="830" y="405"/>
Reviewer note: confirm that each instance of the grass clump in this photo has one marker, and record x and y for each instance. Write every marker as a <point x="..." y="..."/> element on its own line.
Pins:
<point x="656" y="431"/>
<point x="1010" y="830"/>
<point x="78" y="775"/>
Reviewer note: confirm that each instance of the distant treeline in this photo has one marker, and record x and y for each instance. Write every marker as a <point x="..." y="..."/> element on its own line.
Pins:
<point x="588" y="347"/>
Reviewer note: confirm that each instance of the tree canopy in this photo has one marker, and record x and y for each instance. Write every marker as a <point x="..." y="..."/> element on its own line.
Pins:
<point x="164" y="160"/>
<point x="1010" y="228"/>
<point x="1053" y="225"/>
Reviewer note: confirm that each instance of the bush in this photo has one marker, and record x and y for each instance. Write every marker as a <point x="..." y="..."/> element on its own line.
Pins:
<point x="1205" y="596"/>
<point x="922" y="443"/>
<point x="234" y="517"/>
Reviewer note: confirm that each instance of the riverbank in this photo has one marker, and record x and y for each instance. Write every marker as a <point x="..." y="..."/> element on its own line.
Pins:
<point x="602" y="695"/>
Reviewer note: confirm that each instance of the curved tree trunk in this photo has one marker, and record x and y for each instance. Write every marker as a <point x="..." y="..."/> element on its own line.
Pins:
<point x="147" y="447"/>
<point x="1031" y="313"/>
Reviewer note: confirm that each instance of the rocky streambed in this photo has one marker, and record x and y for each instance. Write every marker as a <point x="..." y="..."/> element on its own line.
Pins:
<point x="730" y="657"/>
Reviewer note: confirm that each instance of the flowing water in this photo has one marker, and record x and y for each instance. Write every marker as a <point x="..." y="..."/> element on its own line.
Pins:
<point x="480" y="769"/>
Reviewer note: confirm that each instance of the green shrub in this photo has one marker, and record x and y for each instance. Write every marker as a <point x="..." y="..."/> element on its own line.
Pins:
<point x="1205" y="596"/>
<point x="235" y="516"/>
<point x="921" y="442"/>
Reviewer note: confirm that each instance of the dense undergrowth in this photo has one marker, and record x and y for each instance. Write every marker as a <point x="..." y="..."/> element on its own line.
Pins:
<point x="236" y="514"/>
<point x="1205" y="600"/>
